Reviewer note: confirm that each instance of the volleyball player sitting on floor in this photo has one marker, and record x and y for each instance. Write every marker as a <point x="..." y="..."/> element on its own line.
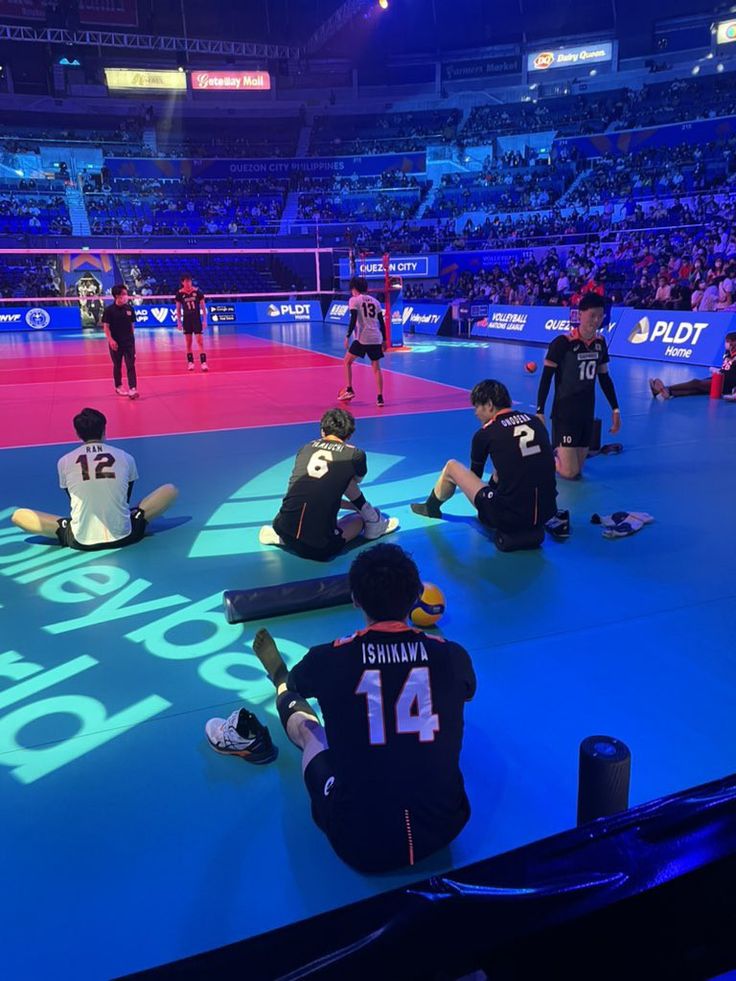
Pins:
<point x="522" y="491"/>
<point x="99" y="480"/>
<point x="366" y="319"/>
<point x="574" y="360"/>
<point x="701" y="386"/>
<point x="383" y="774"/>
<point x="325" y="471"/>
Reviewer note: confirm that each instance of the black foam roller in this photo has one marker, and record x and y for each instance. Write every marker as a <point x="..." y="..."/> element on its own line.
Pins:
<point x="603" y="778"/>
<point x="262" y="602"/>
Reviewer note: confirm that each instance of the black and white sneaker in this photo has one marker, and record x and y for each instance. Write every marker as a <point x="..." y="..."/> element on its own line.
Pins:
<point x="241" y="734"/>
<point x="559" y="526"/>
<point x="379" y="401"/>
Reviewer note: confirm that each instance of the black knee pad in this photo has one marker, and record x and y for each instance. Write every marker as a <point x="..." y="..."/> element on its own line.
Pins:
<point x="288" y="703"/>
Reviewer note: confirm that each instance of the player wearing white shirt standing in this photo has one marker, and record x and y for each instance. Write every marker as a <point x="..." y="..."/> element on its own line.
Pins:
<point x="99" y="481"/>
<point x="366" y="319"/>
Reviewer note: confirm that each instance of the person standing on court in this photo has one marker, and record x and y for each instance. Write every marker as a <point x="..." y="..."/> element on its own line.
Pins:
<point x="575" y="360"/>
<point x="118" y="322"/>
<point x="191" y="317"/>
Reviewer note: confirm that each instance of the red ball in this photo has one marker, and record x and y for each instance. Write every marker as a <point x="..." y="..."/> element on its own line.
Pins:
<point x="531" y="367"/>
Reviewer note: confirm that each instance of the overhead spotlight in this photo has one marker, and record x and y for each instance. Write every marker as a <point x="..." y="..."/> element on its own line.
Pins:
<point x="180" y="68"/>
<point x="696" y="70"/>
<point x="593" y="72"/>
<point x="383" y="4"/>
<point x="719" y="66"/>
<point x="709" y="55"/>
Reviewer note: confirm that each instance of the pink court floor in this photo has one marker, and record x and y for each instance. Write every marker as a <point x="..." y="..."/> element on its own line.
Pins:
<point x="252" y="382"/>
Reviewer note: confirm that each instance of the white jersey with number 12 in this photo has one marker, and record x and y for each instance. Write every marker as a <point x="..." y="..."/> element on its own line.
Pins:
<point x="97" y="477"/>
<point x="367" y="328"/>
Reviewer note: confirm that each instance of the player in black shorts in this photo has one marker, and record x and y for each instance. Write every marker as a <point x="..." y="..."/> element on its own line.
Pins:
<point x="522" y="491"/>
<point x="575" y="360"/>
<point x="384" y="773"/>
<point x="326" y="472"/>
<point x="118" y="323"/>
<point x="191" y="317"/>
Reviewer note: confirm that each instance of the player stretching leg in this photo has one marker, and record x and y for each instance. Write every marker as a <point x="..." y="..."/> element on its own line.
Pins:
<point x="387" y="790"/>
<point x="575" y="360"/>
<point x="366" y="319"/>
<point x="325" y="478"/>
<point x="191" y="317"/>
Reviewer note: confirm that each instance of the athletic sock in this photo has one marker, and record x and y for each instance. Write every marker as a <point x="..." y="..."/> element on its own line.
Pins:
<point x="359" y="502"/>
<point x="431" y="508"/>
<point x="202" y="357"/>
<point x="190" y="357"/>
<point x="268" y="654"/>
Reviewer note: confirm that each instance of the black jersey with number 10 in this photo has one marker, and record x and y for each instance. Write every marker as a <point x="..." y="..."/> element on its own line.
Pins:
<point x="578" y="365"/>
<point x="322" y="471"/>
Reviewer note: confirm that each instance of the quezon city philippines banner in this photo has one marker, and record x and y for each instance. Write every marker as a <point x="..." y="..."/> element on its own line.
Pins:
<point x="408" y="163"/>
<point x="230" y="81"/>
<point x="110" y="13"/>
<point x="674" y="336"/>
<point x="406" y="266"/>
<point x="579" y="56"/>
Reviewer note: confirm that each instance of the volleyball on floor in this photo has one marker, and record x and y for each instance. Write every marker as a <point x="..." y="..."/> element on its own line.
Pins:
<point x="429" y="607"/>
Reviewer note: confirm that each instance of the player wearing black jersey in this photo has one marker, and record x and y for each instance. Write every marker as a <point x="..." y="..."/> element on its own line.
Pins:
<point x="191" y="317"/>
<point x="384" y="773"/>
<point x="325" y="471"/>
<point x="522" y="490"/>
<point x="575" y="360"/>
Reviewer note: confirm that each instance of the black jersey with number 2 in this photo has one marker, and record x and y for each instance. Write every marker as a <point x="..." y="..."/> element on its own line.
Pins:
<point x="578" y="364"/>
<point x="392" y="700"/>
<point x="322" y="471"/>
<point x="522" y="456"/>
<point x="190" y="305"/>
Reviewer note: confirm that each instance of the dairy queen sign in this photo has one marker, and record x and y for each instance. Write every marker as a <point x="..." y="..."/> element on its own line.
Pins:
<point x="232" y="81"/>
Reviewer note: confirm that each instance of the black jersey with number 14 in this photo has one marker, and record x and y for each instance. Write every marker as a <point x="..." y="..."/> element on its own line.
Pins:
<point x="321" y="474"/>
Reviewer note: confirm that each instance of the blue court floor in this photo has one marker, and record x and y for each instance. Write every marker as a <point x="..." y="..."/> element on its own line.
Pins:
<point x="126" y="842"/>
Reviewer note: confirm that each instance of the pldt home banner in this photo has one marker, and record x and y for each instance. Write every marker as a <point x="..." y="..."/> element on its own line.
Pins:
<point x="673" y="336"/>
<point x="407" y="163"/>
<point x="277" y="311"/>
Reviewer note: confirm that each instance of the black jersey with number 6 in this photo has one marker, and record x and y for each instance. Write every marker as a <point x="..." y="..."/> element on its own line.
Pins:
<point x="322" y="471"/>
<point x="522" y="456"/>
<point x="392" y="700"/>
<point x="577" y="368"/>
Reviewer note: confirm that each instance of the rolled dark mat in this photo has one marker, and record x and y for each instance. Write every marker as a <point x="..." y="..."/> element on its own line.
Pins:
<point x="262" y="602"/>
<point x="517" y="541"/>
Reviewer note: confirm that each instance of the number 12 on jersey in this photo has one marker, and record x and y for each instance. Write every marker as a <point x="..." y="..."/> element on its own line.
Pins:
<point x="413" y="710"/>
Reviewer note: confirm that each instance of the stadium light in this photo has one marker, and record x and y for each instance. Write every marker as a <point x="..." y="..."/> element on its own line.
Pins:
<point x="696" y="70"/>
<point x="383" y="4"/>
<point x="719" y="66"/>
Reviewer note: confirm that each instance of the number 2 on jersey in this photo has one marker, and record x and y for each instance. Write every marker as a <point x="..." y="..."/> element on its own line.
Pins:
<point x="526" y="436"/>
<point x="105" y="463"/>
<point x="413" y="709"/>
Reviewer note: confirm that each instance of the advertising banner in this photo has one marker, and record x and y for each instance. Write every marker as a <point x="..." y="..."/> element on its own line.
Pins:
<point x="174" y="169"/>
<point x="455" y="263"/>
<point x="459" y="71"/>
<point x="338" y="313"/>
<point x="424" y="318"/>
<point x="51" y="317"/>
<point x="407" y="266"/>
<point x="580" y="56"/>
<point x="88" y="276"/>
<point x="525" y="324"/>
<point x="162" y="80"/>
<point x="219" y="313"/>
<point x="726" y="32"/>
<point x="232" y="81"/>
<point x="678" y="337"/>
<point x="111" y="13"/>
<point x="23" y="9"/>
<point x="628" y="141"/>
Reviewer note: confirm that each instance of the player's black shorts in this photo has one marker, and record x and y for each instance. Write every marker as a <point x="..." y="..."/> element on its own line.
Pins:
<point x="138" y="525"/>
<point x="375" y="842"/>
<point x="323" y="553"/>
<point x="192" y="328"/>
<point x="569" y="431"/>
<point x="374" y="351"/>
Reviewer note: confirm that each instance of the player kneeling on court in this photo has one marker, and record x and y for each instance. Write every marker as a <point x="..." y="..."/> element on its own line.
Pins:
<point x="575" y="360"/>
<point x="521" y="494"/>
<point x="326" y="471"/>
<point x="384" y="773"/>
<point x="366" y="319"/>
<point x="99" y="481"/>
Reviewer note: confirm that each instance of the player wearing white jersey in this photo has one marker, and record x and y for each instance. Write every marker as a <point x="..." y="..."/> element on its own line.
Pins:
<point x="366" y="320"/>
<point x="98" y="479"/>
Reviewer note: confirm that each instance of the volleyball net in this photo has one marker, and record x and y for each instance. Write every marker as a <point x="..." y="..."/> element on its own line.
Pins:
<point x="68" y="288"/>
